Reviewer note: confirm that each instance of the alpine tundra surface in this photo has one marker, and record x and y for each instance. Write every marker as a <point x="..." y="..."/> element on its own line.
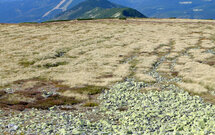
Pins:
<point x="134" y="76"/>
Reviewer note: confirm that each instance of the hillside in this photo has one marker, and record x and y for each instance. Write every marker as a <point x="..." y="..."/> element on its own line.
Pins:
<point x="193" y="9"/>
<point x="16" y="11"/>
<point x="98" y="9"/>
<point x="108" y="76"/>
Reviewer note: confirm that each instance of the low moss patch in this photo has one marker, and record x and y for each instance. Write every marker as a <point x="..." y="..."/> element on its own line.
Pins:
<point x="12" y="99"/>
<point x="25" y="99"/>
<point x="43" y="94"/>
<point x="2" y="93"/>
<point x="105" y="76"/>
<point x="52" y="101"/>
<point x="123" y="109"/>
<point x="61" y="52"/>
<point x="90" y="90"/>
<point x="209" y="62"/>
<point x="213" y="37"/>
<point x="174" y="73"/>
<point x="90" y="104"/>
<point x="26" y="63"/>
<point x="49" y="65"/>
<point x="31" y="94"/>
<point x="132" y="68"/>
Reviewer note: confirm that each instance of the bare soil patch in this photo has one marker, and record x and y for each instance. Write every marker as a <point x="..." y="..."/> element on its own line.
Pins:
<point x="43" y="94"/>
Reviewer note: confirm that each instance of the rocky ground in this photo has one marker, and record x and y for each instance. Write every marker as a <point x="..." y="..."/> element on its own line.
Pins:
<point x="124" y="109"/>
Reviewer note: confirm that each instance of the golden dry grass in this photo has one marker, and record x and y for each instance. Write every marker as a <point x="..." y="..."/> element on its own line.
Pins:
<point x="102" y="52"/>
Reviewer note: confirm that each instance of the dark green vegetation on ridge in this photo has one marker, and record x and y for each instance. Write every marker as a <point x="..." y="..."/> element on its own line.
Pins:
<point x="98" y="9"/>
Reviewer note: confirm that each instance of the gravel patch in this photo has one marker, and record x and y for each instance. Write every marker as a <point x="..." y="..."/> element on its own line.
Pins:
<point x="123" y="110"/>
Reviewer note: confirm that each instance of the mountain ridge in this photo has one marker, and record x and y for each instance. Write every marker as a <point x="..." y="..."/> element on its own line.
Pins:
<point x="16" y="11"/>
<point x="198" y="9"/>
<point x="98" y="9"/>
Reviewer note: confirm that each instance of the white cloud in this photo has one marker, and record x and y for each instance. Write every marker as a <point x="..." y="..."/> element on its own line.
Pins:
<point x="197" y="10"/>
<point x="185" y="2"/>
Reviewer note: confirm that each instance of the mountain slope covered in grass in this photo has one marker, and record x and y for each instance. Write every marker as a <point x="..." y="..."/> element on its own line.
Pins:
<point x="98" y="9"/>
<point x="112" y="13"/>
<point x="15" y="11"/>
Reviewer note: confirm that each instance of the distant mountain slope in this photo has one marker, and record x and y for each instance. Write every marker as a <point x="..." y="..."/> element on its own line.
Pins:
<point x="98" y="9"/>
<point x="112" y="13"/>
<point x="193" y="9"/>
<point x="14" y="11"/>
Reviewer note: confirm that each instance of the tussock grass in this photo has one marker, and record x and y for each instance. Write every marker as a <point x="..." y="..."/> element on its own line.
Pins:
<point x="213" y="37"/>
<point x="95" y="52"/>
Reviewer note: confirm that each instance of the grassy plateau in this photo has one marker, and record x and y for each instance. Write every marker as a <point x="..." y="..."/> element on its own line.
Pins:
<point x="108" y="76"/>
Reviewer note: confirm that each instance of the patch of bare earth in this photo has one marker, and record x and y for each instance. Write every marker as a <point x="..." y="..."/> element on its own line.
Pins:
<point x="43" y="94"/>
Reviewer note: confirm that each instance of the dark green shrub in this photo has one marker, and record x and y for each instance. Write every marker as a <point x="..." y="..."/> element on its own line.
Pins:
<point x="122" y="18"/>
<point x="82" y="19"/>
